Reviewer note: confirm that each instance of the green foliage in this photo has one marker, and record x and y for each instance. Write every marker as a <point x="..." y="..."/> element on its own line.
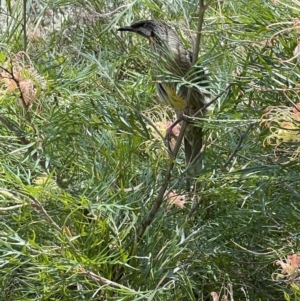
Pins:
<point x="81" y="165"/>
<point x="295" y="293"/>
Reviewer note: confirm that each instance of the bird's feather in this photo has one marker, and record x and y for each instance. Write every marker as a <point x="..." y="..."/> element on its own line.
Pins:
<point x="173" y="57"/>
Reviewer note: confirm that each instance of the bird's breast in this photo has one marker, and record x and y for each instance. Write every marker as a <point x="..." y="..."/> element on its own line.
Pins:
<point x="168" y="94"/>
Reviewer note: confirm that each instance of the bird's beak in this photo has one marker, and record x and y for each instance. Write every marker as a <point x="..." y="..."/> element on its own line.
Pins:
<point x="145" y="32"/>
<point x="127" y="28"/>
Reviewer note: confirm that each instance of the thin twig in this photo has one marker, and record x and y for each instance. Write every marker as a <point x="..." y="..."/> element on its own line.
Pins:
<point x="10" y="208"/>
<point x="238" y="147"/>
<point x="34" y="203"/>
<point x="159" y="200"/>
<point x="24" y="26"/>
<point x="252" y="252"/>
<point x="150" y="122"/>
<point x="12" y="127"/>
<point x="104" y="281"/>
<point x="112" y="12"/>
<point x="195" y="53"/>
<point x="292" y="190"/>
<point x="199" y="31"/>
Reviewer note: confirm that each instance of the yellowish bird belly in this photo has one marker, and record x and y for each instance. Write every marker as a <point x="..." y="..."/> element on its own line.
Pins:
<point x="169" y="95"/>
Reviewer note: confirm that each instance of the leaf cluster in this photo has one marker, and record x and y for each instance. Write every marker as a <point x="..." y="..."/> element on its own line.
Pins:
<point x="81" y="165"/>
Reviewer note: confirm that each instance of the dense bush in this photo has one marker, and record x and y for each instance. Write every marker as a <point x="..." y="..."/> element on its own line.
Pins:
<point x="81" y="162"/>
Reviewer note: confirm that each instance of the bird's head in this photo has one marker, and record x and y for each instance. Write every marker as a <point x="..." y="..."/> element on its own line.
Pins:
<point x="154" y="31"/>
<point x="147" y="28"/>
<point x="163" y="41"/>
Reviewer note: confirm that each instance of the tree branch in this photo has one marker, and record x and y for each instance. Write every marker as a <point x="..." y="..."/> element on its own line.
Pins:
<point x="159" y="200"/>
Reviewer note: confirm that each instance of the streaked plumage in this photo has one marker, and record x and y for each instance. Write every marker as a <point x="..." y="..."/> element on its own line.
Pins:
<point x="172" y="55"/>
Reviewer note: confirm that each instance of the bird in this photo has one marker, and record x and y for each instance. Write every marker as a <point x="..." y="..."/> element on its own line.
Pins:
<point x="171" y="55"/>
